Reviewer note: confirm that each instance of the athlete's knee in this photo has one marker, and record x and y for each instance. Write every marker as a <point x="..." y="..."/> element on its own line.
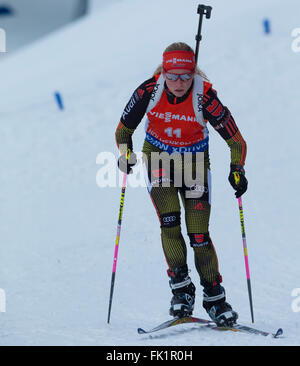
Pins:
<point x="199" y="240"/>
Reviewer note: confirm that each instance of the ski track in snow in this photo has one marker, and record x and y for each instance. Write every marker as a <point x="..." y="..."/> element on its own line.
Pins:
<point x="58" y="227"/>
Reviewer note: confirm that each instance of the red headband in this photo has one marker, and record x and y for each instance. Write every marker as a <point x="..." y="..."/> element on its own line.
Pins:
<point x="179" y="60"/>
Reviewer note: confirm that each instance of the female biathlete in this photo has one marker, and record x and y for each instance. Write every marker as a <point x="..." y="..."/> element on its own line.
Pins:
<point x="178" y="101"/>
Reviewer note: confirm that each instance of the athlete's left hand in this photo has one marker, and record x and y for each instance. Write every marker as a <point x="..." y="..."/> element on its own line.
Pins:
<point x="125" y="164"/>
<point x="238" y="180"/>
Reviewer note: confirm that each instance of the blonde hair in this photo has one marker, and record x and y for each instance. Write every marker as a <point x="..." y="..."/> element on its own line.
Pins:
<point x="180" y="46"/>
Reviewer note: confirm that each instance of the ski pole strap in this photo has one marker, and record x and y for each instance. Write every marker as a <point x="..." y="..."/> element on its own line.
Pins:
<point x="128" y="153"/>
<point x="236" y="177"/>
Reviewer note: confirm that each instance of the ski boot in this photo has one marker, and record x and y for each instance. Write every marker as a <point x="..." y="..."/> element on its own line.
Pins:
<point x="182" y="302"/>
<point x="217" y="308"/>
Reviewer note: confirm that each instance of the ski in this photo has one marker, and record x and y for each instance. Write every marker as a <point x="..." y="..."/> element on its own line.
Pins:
<point x="175" y="321"/>
<point x="210" y="324"/>
<point x="247" y="329"/>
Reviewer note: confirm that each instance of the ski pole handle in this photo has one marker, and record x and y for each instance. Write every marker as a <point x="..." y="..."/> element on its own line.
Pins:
<point x="202" y="10"/>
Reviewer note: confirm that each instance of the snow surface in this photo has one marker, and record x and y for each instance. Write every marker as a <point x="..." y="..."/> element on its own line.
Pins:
<point x="33" y="19"/>
<point x="58" y="227"/>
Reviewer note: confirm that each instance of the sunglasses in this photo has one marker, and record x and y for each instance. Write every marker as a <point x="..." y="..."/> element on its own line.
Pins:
<point x="183" y="77"/>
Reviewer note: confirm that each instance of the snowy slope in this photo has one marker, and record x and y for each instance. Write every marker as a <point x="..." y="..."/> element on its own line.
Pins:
<point x="33" y="19"/>
<point x="58" y="227"/>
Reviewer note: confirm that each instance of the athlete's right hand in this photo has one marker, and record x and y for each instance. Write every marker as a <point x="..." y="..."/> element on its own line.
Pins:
<point x="238" y="180"/>
<point x="125" y="165"/>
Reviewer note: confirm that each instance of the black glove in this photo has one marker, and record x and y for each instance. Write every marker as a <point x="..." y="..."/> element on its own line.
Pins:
<point x="242" y="184"/>
<point x="126" y="165"/>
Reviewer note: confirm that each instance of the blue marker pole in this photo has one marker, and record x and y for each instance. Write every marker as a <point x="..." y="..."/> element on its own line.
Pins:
<point x="6" y="10"/>
<point x="267" y="26"/>
<point x="59" y="101"/>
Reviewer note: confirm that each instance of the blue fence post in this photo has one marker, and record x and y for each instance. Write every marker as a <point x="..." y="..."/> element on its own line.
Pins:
<point x="267" y="26"/>
<point x="59" y="101"/>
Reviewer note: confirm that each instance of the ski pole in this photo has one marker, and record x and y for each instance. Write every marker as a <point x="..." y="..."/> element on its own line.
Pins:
<point x="202" y="10"/>
<point x="237" y="178"/>
<point x="117" y="240"/>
